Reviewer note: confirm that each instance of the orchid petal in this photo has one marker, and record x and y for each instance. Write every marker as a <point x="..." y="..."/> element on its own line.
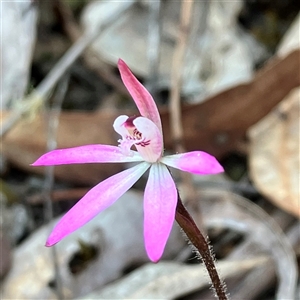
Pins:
<point x="196" y="162"/>
<point x="87" y="154"/>
<point x="96" y="200"/>
<point x="160" y="200"/>
<point x="142" y="98"/>
<point x="119" y="125"/>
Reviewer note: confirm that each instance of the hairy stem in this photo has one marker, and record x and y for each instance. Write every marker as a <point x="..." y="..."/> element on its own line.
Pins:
<point x="188" y="225"/>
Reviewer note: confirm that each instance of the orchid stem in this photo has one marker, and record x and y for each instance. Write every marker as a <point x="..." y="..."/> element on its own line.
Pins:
<point x="188" y="225"/>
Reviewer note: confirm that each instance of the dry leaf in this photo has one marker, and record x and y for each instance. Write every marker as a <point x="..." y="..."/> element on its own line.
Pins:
<point x="33" y="265"/>
<point x="169" y="280"/>
<point x="274" y="154"/>
<point x="27" y="141"/>
<point x="291" y="39"/>
<point x="215" y="126"/>
<point x="216" y="31"/>
<point x="221" y="209"/>
<point x="116" y="233"/>
<point x="18" y="33"/>
<point x="6" y="254"/>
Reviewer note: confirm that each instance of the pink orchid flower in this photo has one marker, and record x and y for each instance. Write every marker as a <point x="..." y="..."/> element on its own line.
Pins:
<point x="160" y="197"/>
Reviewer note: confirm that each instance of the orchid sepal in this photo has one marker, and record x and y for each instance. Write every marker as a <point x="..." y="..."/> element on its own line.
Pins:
<point x="87" y="154"/>
<point x="96" y="200"/>
<point x="196" y="162"/>
<point x="142" y="98"/>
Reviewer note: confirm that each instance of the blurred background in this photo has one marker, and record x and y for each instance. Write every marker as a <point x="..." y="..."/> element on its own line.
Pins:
<point x="235" y="68"/>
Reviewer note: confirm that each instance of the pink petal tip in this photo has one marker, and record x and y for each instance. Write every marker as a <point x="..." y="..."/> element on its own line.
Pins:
<point x="196" y="162"/>
<point x="160" y="200"/>
<point x="48" y="244"/>
<point x="142" y="98"/>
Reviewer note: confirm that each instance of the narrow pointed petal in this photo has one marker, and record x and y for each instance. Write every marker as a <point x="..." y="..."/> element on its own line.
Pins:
<point x="96" y="200"/>
<point x="87" y="154"/>
<point x="160" y="202"/>
<point x="196" y="162"/>
<point x="142" y="98"/>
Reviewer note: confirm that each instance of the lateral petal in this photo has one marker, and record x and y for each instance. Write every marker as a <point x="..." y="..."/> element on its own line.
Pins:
<point x="142" y="98"/>
<point x="160" y="200"/>
<point x="87" y="154"/>
<point x="96" y="200"/>
<point x="196" y="162"/>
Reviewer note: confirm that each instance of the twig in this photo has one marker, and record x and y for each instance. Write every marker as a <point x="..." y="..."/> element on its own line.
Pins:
<point x="42" y="91"/>
<point x="176" y="76"/>
<point x="182" y="216"/>
<point x="186" y="222"/>
<point x="39" y="95"/>
<point x="175" y="106"/>
<point x="49" y="171"/>
<point x="59" y="195"/>
<point x="154" y="39"/>
<point x="90" y="57"/>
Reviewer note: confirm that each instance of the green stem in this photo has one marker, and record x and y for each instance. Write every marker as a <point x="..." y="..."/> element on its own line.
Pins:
<point x="188" y="225"/>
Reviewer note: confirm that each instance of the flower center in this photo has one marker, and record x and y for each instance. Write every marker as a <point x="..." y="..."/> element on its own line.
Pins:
<point x="143" y="134"/>
<point x="134" y="134"/>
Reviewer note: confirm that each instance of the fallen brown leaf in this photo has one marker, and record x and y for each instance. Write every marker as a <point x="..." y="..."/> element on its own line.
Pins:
<point x="218" y="124"/>
<point x="215" y="126"/>
<point x="274" y="154"/>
